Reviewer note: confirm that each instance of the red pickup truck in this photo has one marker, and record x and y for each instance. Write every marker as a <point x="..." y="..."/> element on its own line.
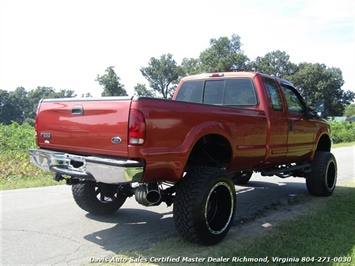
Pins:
<point x="190" y="151"/>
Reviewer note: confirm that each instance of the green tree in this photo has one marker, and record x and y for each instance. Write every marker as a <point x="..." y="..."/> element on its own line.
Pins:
<point x="224" y="54"/>
<point x="111" y="83"/>
<point x="318" y="82"/>
<point x="14" y="106"/>
<point x="86" y="95"/>
<point x="349" y="110"/>
<point x="34" y="96"/>
<point x="142" y="90"/>
<point x="275" y="63"/>
<point x="190" y="66"/>
<point x="162" y="74"/>
<point x="10" y="110"/>
<point x="21" y="106"/>
<point x="64" y="94"/>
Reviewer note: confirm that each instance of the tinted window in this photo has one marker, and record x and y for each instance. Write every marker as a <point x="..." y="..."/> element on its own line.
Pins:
<point x="233" y="91"/>
<point x="214" y="90"/>
<point x="191" y="91"/>
<point x="239" y="92"/>
<point x="295" y="105"/>
<point x="274" y="95"/>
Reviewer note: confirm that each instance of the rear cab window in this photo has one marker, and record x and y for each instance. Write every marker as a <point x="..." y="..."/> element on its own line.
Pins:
<point x="191" y="91"/>
<point x="229" y="91"/>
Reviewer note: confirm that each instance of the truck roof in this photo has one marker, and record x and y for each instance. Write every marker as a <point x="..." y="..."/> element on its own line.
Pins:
<point x="220" y="74"/>
<point x="233" y="74"/>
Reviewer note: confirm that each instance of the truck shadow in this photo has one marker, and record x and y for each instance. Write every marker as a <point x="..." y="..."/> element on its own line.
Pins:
<point x="258" y="197"/>
<point x="133" y="229"/>
<point x="140" y="228"/>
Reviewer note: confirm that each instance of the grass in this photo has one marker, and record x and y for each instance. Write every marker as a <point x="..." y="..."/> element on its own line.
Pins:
<point x="13" y="181"/>
<point x="342" y="145"/>
<point x="16" y="171"/>
<point x="324" y="232"/>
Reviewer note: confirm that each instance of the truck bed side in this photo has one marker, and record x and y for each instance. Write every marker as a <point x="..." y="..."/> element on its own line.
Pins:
<point x="173" y="128"/>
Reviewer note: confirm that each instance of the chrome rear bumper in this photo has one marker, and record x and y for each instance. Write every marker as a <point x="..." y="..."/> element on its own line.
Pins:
<point x="100" y="169"/>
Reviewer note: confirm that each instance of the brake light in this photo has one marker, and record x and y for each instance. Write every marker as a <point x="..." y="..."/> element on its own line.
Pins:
<point x="136" y="128"/>
<point x="36" y="131"/>
<point x="36" y="123"/>
<point x="214" y="75"/>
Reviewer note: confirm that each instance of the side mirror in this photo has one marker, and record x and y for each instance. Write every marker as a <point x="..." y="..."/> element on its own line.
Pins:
<point x="310" y="112"/>
<point x="320" y="106"/>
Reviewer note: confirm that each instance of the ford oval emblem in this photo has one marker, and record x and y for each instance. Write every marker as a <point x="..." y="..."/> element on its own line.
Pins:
<point x="116" y="140"/>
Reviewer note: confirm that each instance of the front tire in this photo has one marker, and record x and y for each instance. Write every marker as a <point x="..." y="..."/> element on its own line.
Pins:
<point x="97" y="198"/>
<point x="322" y="179"/>
<point x="204" y="205"/>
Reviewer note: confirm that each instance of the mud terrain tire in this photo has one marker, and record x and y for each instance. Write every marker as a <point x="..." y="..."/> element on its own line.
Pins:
<point x="204" y="205"/>
<point x="323" y="177"/>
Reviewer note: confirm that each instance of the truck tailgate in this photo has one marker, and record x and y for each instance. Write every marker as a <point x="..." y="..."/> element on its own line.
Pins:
<point x="85" y="126"/>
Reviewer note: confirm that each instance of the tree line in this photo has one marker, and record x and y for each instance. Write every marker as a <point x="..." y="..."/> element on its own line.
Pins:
<point x="20" y="105"/>
<point x="315" y="81"/>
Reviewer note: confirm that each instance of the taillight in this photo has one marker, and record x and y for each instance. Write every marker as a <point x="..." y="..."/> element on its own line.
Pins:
<point x="36" y="124"/>
<point x="36" y="131"/>
<point x="136" y="128"/>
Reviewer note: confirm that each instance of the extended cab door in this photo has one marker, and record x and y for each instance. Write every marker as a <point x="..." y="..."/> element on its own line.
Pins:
<point x="301" y="130"/>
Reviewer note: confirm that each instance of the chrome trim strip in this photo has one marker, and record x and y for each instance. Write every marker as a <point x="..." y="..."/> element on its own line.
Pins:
<point x="89" y="99"/>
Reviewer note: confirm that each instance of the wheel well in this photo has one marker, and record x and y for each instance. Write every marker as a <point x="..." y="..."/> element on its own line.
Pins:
<point x="211" y="150"/>
<point x="324" y="144"/>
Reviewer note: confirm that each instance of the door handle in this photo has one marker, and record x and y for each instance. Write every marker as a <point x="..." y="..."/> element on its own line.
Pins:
<point x="77" y="110"/>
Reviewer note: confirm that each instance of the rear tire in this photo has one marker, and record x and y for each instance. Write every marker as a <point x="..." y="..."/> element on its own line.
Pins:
<point x="97" y="198"/>
<point x="323" y="177"/>
<point x="204" y="205"/>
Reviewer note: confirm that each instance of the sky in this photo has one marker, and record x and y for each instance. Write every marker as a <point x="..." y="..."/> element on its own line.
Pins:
<point x="65" y="44"/>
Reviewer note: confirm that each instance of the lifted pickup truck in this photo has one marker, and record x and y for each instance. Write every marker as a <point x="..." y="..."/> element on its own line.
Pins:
<point x="190" y="151"/>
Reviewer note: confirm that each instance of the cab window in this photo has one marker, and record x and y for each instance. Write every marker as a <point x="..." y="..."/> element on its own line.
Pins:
<point x="231" y="91"/>
<point x="240" y="92"/>
<point x="191" y="91"/>
<point x="294" y="101"/>
<point x="214" y="91"/>
<point x="274" y="95"/>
